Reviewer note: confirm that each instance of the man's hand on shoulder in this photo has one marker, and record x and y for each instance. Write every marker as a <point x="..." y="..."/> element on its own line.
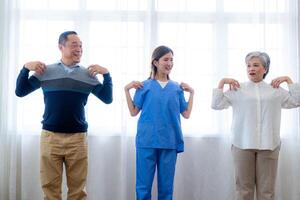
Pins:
<point x="36" y="66"/>
<point x="97" y="69"/>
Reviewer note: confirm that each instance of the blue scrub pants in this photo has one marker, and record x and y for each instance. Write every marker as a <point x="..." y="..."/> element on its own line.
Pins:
<point x="147" y="159"/>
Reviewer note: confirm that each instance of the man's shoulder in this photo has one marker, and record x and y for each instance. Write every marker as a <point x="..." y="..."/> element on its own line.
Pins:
<point x="53" y="71"/>
<point x="82" y="74"/>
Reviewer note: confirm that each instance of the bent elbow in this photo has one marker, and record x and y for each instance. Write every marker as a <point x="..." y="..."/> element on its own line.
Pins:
<point x="215" y="107"/>
<point x="133" y="114"/>
<point x="19" y="93"/>
<point x="186" y="116"/>
<point x="108" y="100"/>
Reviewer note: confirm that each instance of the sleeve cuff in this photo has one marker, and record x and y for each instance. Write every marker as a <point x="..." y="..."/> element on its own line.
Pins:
<point x="294" y="86"/>
<point x="24" y="70"/>
<point x="217" y="91"/>
<point x="107" y="76"/>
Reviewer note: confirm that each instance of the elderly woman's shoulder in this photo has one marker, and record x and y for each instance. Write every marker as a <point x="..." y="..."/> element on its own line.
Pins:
<point x="244" y="85"/>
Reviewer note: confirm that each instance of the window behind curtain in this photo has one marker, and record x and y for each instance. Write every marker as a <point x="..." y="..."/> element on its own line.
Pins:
<point x="210" y="40"/>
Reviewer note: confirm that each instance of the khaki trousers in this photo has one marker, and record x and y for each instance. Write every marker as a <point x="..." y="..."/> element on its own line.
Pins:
<point x="255" y="169"/>
<point x="57" y="149"/>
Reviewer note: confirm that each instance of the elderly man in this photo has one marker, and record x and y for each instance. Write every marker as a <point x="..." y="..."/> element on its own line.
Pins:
<point x="66" y="86"/>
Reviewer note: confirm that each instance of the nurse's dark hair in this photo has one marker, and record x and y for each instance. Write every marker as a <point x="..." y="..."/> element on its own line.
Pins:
<point x="158" y="52"/>
<point x="263" y="57"/>
<point x="64" y="36"/>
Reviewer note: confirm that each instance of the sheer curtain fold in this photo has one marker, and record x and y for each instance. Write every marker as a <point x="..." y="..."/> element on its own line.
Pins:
<point x="210" y="40"/>
<point x="10" y="173"/>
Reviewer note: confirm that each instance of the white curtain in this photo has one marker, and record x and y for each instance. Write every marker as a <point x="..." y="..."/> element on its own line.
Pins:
<point x="210" y="40"/>
<point x="10" y="144"/>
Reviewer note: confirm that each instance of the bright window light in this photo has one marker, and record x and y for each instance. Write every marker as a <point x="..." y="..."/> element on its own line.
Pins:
<point x="209" y="38"/>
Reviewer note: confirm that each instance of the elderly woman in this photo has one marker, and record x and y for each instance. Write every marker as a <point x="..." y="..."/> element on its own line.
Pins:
<point x="256" y="107"/>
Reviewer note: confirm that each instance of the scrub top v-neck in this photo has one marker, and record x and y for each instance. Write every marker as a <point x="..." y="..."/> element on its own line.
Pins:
<point x="159" y="124"/>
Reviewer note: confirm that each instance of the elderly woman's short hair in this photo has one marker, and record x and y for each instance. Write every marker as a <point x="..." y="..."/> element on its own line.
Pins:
<point x="263" y="57"/>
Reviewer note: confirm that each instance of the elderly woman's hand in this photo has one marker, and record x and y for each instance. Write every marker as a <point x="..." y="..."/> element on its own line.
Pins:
<point x="233" y="84"/>
<point x="277" y="81"/>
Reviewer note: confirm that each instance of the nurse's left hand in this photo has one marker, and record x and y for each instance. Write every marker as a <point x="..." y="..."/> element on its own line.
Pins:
<point x="187" y="88"/>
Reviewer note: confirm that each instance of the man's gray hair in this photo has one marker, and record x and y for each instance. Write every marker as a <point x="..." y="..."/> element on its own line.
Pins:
<point x="263" y="57"/>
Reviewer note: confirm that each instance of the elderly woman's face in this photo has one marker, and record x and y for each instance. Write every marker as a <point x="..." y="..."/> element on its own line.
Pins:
<point x="255" y="70"/>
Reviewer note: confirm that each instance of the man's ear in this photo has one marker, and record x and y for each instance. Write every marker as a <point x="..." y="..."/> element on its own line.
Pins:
<point x="60" y="46"/>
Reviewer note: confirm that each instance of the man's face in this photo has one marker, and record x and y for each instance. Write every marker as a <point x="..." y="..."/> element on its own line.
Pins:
<point x="72" y="49"/>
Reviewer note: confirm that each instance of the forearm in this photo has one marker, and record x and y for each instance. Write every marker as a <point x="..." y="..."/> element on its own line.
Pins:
<point x="132" y="109"/>
<point x="219" y="100"/>
<point x="221" y="85"/>
<point x="292" y="98"/>
<point x="186" y="114"/>
<point x="289" y="81"/>
<point x="105" y="92"/>
<point x="24" y="85"/>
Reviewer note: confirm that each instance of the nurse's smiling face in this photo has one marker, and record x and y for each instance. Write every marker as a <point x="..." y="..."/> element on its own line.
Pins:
<point x="164" y="64"/>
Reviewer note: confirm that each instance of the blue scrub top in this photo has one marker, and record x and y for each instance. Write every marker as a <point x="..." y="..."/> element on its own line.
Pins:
<point x="159" y="124"/>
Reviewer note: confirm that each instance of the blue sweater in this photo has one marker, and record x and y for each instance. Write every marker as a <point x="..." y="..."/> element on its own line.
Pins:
<point x="65" y="95"/>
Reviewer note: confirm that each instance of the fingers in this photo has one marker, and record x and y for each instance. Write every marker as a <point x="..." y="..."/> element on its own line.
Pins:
<point x="92" y="69"/>
<point x="237" y="84"/>
<point x="186" y="87"/>
<point x="233" y="84"/>
<point x="134" y="84"/>
<point x="40" y="68"/>
<point x="97" y="69"/>
<point x="276" y="82"/>
<point x="183" y="86"/>
<point x="37" y="66"/>
<point x="137" y="85"/>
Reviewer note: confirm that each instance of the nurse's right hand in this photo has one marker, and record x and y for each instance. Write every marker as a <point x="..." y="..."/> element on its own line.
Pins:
<point x="134" y="84"/>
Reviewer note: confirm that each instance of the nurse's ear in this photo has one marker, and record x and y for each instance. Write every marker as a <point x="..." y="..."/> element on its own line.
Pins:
<point x="155" y="63"/>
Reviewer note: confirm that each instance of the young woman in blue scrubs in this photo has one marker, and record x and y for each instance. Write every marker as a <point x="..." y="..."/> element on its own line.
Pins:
<point x="159" y="136"/>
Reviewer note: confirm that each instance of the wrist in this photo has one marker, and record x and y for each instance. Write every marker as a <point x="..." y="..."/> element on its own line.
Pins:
<point x="221" y="86"/>
<point x="126" y="89"/>
<point x="289" y="81"/>
<point x="25" y="67"/>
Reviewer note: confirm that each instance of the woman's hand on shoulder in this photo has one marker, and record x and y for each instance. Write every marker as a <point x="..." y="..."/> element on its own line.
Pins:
<point x="133" y="84"/>
<point x="277" y="81"/>
<point x="186" y="87"/>
<point x="233" y="84"/>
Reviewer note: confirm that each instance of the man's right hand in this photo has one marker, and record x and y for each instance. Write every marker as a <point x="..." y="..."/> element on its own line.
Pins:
<point x="36" y="66"/>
